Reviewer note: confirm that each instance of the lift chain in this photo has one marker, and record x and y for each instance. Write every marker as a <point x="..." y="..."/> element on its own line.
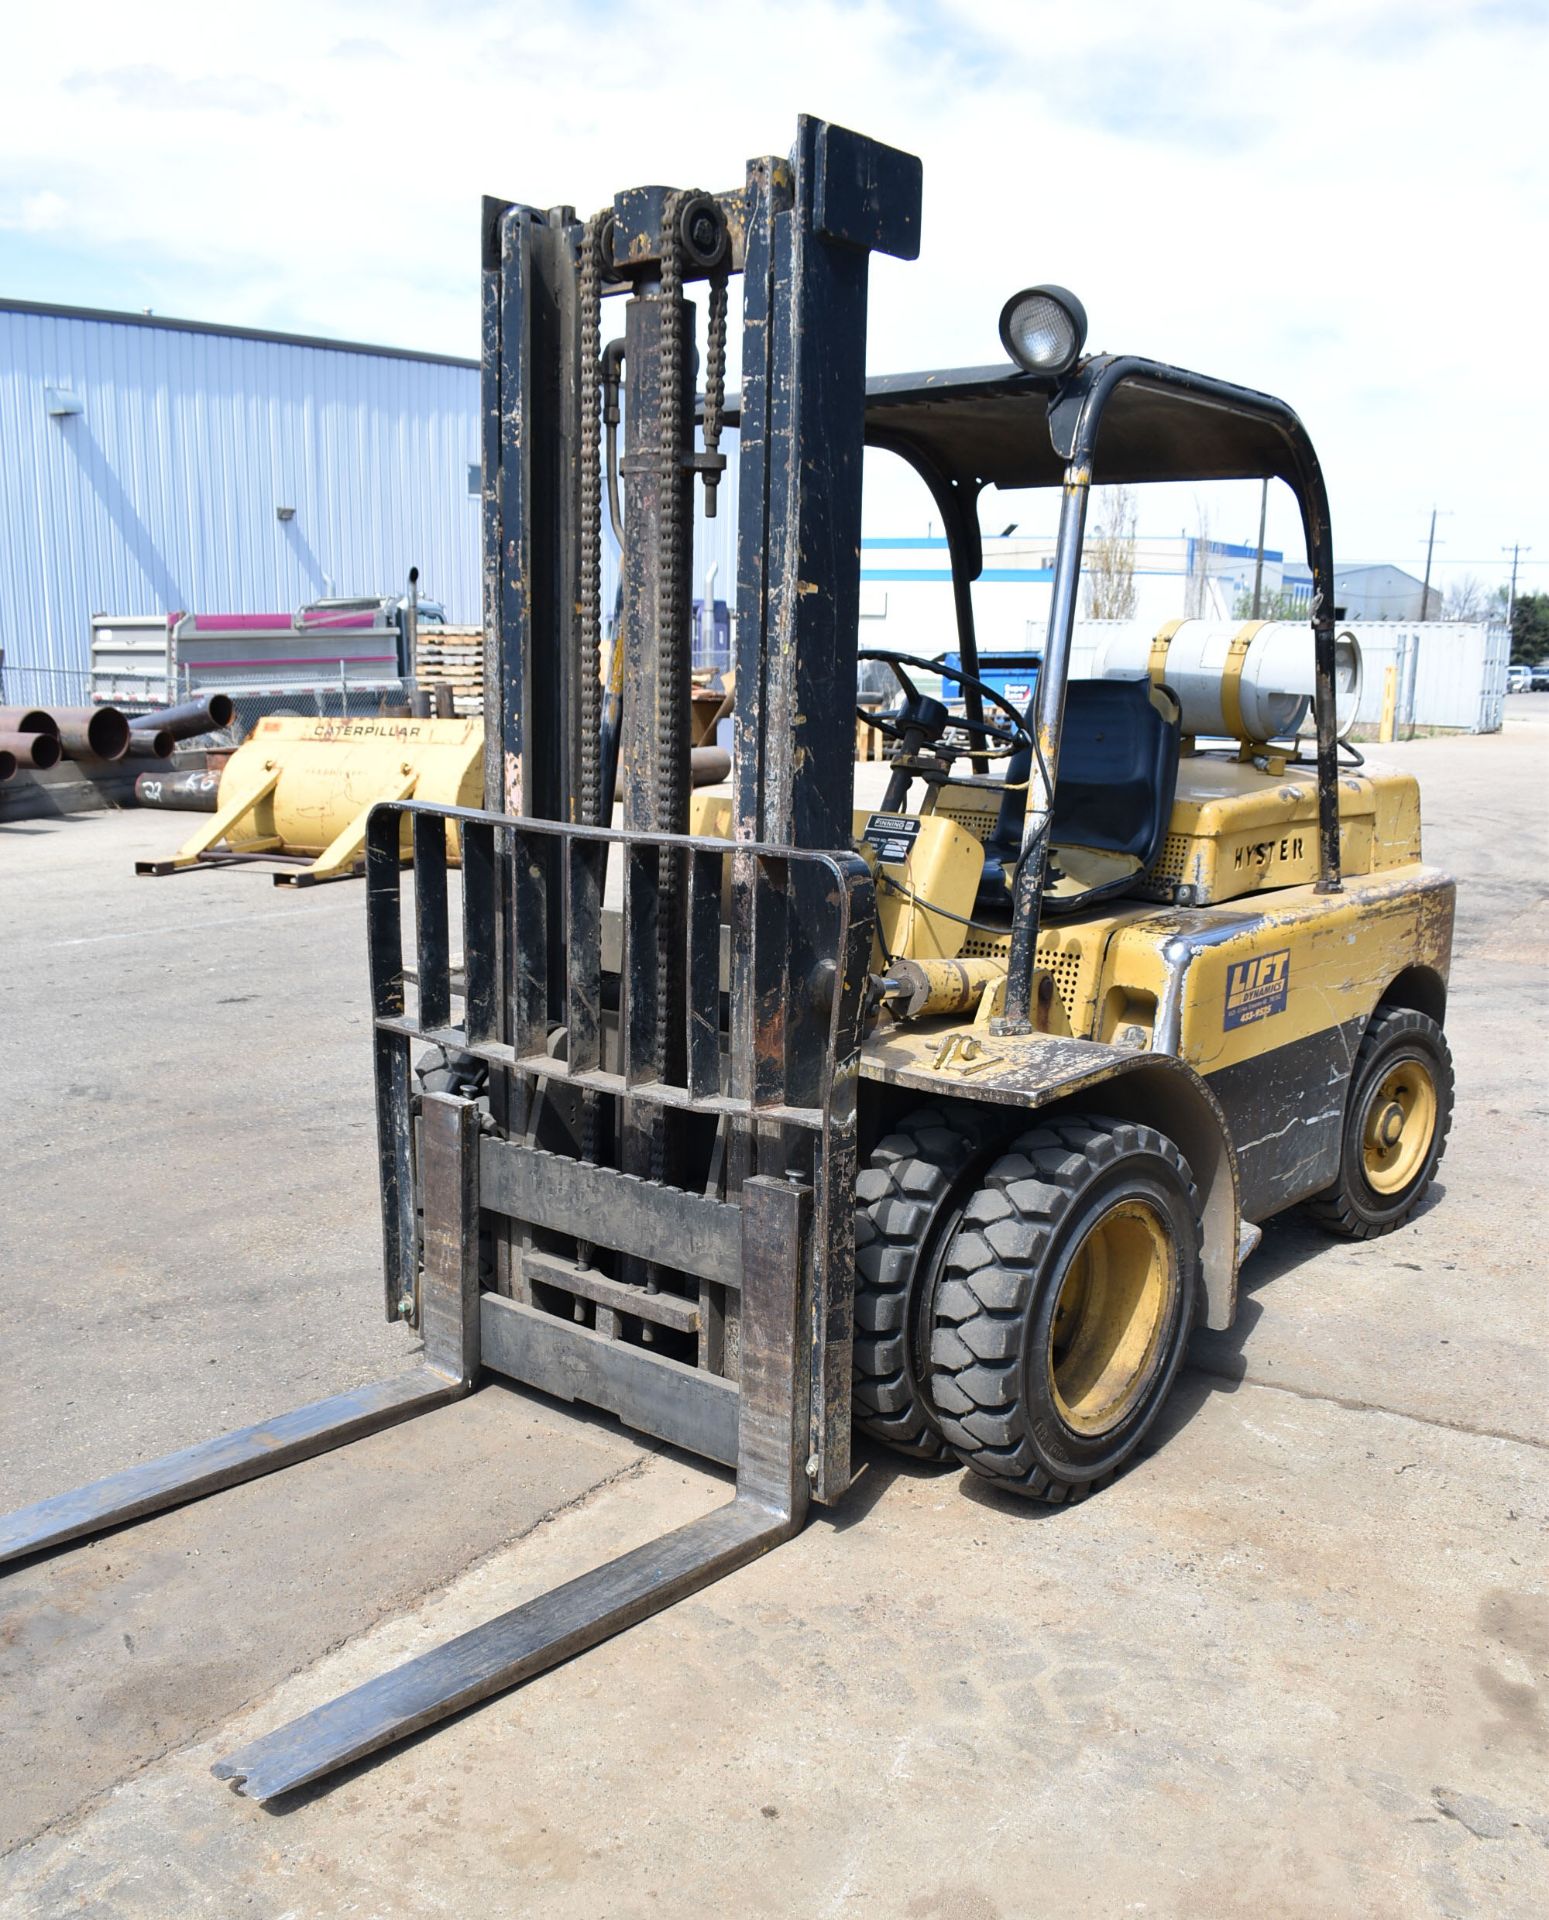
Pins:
<point x="590" y="794"/>
<point x="672" y="621"/>
<point x="591" y="518"/>
<point x="715" y="390"/>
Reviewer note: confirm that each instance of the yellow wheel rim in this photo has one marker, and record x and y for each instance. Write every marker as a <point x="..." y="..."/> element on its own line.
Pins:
<point x="1398" y="1126"/>
<point x="1113" y="1308"/>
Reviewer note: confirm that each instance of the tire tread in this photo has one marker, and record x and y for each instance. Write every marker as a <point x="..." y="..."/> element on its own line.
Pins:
<point x="986" y="1294"/>
<point x="910" y="1174"/>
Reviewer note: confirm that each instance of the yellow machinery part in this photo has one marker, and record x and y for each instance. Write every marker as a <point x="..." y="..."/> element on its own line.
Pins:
<point x="924" y="988"/>
<point x="305" y="787"/>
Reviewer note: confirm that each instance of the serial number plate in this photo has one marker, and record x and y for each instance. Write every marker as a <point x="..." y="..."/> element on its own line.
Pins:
<point x="892" y="835"/>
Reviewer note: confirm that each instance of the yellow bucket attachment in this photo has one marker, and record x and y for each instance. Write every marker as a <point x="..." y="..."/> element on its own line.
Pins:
<point x="300" y="790"/>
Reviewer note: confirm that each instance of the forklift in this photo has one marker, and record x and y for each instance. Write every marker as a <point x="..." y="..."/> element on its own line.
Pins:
<point x="756" y="1117"/>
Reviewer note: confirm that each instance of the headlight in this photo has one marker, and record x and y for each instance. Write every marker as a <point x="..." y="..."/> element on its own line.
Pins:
<point x="1043" y="329"/>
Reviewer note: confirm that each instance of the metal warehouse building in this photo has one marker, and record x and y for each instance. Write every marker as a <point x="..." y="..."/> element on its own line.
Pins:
<point x="152" y="466"/>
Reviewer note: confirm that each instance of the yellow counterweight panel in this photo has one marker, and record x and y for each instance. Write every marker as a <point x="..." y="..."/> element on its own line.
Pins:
<point x="1306" y="963"/>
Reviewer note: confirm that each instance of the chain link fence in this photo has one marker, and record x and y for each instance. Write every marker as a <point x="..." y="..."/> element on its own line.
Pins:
<point x="355" y="700"/>
<point x="61" y="687"/>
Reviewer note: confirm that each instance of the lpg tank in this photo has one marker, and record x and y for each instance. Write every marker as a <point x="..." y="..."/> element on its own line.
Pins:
<point x="1247" y="681"/>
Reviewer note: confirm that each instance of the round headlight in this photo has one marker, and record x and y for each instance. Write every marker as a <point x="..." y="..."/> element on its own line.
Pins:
<point x="1043" y="329"/>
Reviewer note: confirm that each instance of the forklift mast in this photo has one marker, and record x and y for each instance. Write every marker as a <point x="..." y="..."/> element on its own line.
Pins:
<point x="797" y="232"/>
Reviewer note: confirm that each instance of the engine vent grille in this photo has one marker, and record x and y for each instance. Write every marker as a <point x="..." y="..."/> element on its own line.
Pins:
<point x="974" y="820"/>
<point x="1161" y="878"/>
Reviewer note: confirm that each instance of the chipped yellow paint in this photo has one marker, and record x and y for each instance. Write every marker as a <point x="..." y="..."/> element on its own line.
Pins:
<point x="1342" y="950"/>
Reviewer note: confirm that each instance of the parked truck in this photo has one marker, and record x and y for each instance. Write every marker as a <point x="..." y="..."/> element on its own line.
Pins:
<point x="351" y="645"/>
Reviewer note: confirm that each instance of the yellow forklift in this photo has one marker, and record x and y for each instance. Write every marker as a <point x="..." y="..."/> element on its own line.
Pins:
<point x="756" y="1115"/>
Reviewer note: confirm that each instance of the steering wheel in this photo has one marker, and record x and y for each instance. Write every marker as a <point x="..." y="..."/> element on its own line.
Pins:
<point x="922" y="720"/>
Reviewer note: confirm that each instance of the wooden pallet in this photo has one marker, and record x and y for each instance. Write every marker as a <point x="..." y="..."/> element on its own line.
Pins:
<point x="454" y="657"/>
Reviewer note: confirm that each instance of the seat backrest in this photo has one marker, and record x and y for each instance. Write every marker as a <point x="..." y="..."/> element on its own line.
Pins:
<point x="1118" y="767"/>
<point x="1114" y="795"/>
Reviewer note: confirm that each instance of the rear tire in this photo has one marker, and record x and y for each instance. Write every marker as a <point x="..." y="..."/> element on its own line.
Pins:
<point x="1065" y="1306"/>
<point x="1398" y="1113"/>
<point x="909" y="1200"/>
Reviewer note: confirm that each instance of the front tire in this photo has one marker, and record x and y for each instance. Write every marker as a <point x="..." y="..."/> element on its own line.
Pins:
<point x="1398" y="1113"/>
<point x="909" y="1200"/>
<point x="1066" y="1303"/>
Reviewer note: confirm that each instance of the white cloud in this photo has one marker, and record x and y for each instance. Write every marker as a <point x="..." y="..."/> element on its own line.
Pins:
<point x="42" y="212"/>
<point x="1339" y="200"/>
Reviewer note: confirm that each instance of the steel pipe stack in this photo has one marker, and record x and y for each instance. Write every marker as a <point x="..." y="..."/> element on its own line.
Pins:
<point x="97" y="733"/>
<point x="29" y="737"/>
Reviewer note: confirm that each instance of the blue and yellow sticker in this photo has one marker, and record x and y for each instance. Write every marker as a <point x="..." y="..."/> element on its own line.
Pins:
<point x="1256" y="988"/>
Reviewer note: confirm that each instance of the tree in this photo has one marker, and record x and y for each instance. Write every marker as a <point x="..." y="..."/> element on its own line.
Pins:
<point x="1280" y="605"/>
<point x="1467" y="599"/>
<point x="1196" y="593"/>
<point x="1530" y="628"/>
<point x="1110" y="560"/>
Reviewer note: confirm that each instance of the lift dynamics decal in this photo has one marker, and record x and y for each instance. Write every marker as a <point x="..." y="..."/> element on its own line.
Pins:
<point x="1256" y="988"/>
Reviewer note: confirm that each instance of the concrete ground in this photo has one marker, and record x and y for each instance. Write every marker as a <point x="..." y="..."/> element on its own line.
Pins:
<point x="1295" y="1661"/>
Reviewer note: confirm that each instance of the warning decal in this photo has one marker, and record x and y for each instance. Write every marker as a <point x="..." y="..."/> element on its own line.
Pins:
<point x="1256" y="988"/>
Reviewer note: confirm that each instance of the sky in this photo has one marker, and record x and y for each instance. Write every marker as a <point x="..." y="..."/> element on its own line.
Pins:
<point x="1341" y="201"/>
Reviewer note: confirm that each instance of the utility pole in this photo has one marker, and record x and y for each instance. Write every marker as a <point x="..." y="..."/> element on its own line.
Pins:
<point x="1258" y="564"/>
<point x="1511" y="593"/>
<point x="1425" y="591"/>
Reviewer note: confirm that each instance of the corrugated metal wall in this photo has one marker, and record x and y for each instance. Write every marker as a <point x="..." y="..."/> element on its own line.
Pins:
<point x="161" y="493"/>
<point x="1449" y="673"/>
